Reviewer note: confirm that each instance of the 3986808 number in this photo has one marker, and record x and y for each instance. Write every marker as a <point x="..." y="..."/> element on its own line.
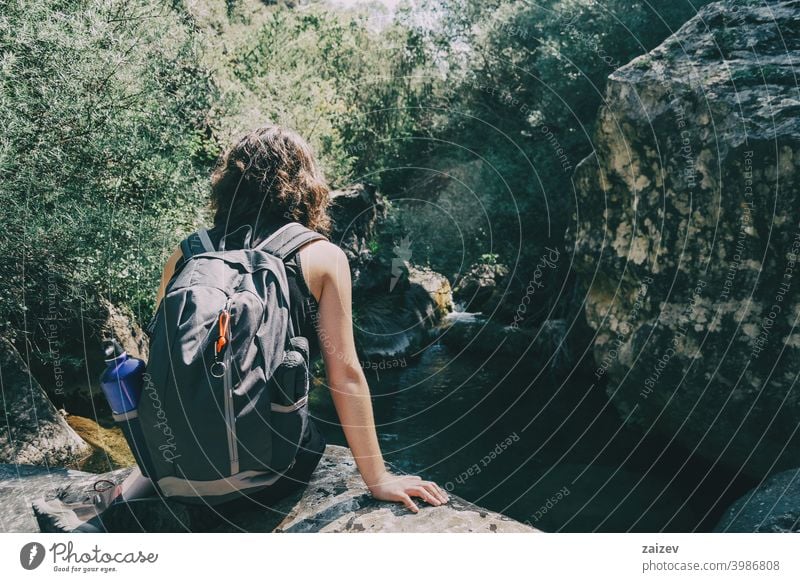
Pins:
<point x="756" y="565"/>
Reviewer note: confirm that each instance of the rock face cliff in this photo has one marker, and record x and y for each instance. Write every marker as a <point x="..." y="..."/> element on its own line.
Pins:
<point x="772" y="507"/>
<point x="335" y="501"/>
<point x="687" y="236"/>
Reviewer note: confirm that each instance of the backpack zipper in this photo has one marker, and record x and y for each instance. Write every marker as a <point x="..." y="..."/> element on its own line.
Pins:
<point x="223" y="343"/>
<point x="233" y="448"/>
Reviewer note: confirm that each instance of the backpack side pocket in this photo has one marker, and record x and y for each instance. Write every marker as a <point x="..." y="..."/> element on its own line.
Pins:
<point x="289" y="408"/>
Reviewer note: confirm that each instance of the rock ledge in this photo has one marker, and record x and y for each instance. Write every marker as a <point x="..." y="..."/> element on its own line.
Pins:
<point x="335" y="501"/>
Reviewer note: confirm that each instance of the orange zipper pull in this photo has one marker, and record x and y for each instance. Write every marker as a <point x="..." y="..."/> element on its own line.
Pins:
<point x="224" y="320"/>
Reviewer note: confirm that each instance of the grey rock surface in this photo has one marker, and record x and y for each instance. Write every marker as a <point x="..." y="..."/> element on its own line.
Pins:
<point x="21" y="485"/>
<point x="687" y="237"/>
<point x="481" y="288"/>
<point x="773" y="507"/>
<point x="336" y="500"/>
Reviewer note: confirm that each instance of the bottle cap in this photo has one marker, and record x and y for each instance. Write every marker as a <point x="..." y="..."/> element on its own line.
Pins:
<point x="112" y="349"/>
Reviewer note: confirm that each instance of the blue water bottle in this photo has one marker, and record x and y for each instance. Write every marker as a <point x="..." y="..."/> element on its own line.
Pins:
<point x="122" y="385"/>
<point x="122" y="379"/>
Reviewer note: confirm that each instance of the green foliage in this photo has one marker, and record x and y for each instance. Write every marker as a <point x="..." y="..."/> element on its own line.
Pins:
<point x="113" y="112"/>
<point x="470" y="115"/>
<point x="489" y="258"/>
<point x="102" y="105"/>
<point x="354" y="93"/>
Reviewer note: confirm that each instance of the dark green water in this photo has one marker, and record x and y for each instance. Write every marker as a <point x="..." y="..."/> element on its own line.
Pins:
<point x="553" y="454"/>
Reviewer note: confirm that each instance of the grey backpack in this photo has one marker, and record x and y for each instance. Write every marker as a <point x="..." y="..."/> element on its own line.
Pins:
<point x="225" y="398"/>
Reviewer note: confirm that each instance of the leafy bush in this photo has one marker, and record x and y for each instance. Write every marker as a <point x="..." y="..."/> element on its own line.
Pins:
<point x="353" y="92"/>
<point x="113" y="112"/>
<point x="102" y="161"/>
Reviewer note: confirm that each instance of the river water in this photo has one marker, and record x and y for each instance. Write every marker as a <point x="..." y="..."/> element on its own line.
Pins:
<point x="553" y="454"/>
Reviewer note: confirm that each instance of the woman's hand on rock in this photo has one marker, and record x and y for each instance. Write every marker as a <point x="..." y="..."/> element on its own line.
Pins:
<point x="402" y="488"/>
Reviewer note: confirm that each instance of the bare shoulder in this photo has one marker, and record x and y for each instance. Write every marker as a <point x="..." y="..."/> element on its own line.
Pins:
<point x="323" y="250"/>
<point x="322" y="261"/>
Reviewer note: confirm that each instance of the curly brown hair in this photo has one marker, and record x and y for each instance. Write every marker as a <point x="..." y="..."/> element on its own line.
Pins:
<point x="269" y="174"/>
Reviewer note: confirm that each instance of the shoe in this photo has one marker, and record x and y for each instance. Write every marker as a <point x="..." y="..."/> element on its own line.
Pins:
<point x="81" y="511"/>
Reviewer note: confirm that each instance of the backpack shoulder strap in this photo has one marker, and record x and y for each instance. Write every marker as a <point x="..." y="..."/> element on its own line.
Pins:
<point x="195" y="243"/>
<point x="287" y="239"/>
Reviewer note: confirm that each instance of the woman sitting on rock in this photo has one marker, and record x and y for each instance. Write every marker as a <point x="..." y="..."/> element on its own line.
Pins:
<point x="264" y="181"/>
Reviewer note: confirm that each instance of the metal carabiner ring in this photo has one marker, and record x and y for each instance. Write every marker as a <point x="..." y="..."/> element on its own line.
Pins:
<point x="109" y="483"/>
<point x="218" y="372"/>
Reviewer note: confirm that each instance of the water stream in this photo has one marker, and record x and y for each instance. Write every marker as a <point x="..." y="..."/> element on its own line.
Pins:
<point x="557" y="456"/>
